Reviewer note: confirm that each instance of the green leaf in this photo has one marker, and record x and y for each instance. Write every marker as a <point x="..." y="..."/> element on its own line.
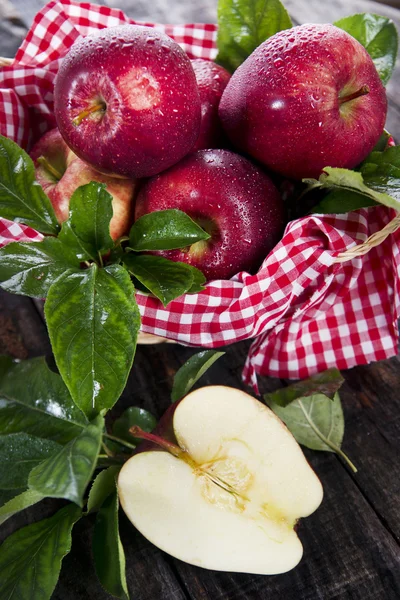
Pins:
<point x="327" y="383"/>
<point x="36" y="401"/>
<point x="93" y="321"/>
<point x="353" y="181"/>
<point x="116" y="254"/>
<point x="130" y="417"/>
<point x="30" y="559"/>
<point x="102" y="487"/>
<point x="20" y="502"/>
<point x="30" y="268"/>
<point x="381" y="172"/>
<point x="198" y="280"/>
<point x="108" y="553"/>
<point x="22" y="200"/>
<point x="164" y="278"/>
<point x="67" y="473"/>
<point x="316" y="422"/>
<point x="87" y="230"/>
<point x="6" y="363"/>
<point x="191" y="371"/>
<point x="245" y="24"/>
<point x="378" y="35"/>
<point x="165" y="230"/>
<point x="382" y="143"/>
<point x="342" y="201"/>
<point x="19" y="454"/>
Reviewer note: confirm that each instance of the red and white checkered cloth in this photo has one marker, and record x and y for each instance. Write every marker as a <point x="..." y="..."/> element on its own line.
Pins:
<point x="305" y="312"/>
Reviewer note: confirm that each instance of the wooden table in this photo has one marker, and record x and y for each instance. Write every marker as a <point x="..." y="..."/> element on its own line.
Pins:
<point x="351" y="544"/>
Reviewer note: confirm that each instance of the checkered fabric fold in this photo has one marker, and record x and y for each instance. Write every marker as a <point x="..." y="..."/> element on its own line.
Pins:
<point x="304" y="311"/>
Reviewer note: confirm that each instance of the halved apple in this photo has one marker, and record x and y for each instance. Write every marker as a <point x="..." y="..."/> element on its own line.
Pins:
<point x="221" y="484"/>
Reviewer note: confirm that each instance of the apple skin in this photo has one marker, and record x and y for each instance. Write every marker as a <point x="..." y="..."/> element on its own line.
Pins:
<point x="232" y="199"/>
<point x="75" y="172"/>
<point x="142" y="90"/>
<point x="282" y="104"/>
<point x="211" y="79"/>
<point x="213" y="493"/>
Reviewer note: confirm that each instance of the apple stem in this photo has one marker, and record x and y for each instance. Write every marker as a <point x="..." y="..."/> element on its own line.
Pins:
<point x="363" y="91"/>
<point x="42" y="160"/>
<point x="99" y="107"/>
<point x="179" y="452"/>
<point x="170" y="447"/>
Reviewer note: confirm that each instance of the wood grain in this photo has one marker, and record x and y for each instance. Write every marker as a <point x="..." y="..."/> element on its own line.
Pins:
<point x="351" y="544"/>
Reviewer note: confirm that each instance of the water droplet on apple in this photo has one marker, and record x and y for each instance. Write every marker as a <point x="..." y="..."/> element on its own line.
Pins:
<point x="150" y="40"/>
<point x="279" y="63"/>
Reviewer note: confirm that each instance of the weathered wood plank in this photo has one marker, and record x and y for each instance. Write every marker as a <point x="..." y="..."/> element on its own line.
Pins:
<point x="372" y="404"/>
<point x="22" y="332"/>
<point x="350" y="548"/>
<point x="350" y="542"/>
<point x="347" y="553"/>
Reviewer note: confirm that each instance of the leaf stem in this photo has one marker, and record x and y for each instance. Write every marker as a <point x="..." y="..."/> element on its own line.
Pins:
<point x="106" y="450"/>
<point x="119" y="440"/>
<point x="326" y="441"/>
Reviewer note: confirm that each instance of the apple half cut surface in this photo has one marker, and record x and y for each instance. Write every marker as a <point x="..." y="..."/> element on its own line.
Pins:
<point x="224" y="487"/>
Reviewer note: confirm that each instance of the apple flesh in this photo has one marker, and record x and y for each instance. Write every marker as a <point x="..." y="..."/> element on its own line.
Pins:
<point x="60" y="172"/>
<point x="232" y="199"/>
<point x="126" y="101"/>
<point x="224" y="488"/>
<point x="211" y="80"/>
<point x="307" y="98"/>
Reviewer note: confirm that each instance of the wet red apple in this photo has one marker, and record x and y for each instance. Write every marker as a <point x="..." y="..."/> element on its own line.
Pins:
<point x="232" y="199"/>
<point x="60" y="172"/>
<point x="307" y="98"/>
<point x="126" y="101"/>
<point x="211" y="80"/>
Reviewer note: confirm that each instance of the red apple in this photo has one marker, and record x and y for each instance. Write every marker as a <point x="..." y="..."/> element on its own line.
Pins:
<point x="126" y="101"/>
<point x="232" y="199"/>
<point x="211" y="80"/>
<point x="60" y="172"/>
<point x="221" y="484"/>
<point x="307" y="98"/>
